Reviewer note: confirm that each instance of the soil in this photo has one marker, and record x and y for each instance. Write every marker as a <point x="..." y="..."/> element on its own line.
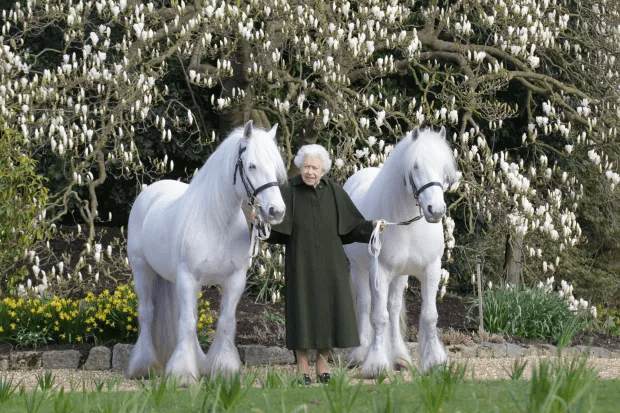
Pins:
<point x="262" y="322"/>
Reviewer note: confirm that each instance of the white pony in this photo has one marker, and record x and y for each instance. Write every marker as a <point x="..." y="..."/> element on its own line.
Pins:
<point x="181" y="237"/>
<point x="410" y="185"/>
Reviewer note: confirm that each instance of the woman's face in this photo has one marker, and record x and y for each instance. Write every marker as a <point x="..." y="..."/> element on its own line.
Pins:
<point x="311" y="170"/>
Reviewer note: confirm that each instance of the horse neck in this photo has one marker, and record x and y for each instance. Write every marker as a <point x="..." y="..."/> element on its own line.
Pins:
<point x="212" y="196"/>
<point x="392" y="197"/>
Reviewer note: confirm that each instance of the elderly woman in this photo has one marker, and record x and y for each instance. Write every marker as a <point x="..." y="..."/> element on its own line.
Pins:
<point x="320" y="218"/>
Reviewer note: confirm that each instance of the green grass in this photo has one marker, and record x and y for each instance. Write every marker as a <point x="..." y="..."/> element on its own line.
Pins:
<point x="502" y="396"/>
<point x="467" y="396"/>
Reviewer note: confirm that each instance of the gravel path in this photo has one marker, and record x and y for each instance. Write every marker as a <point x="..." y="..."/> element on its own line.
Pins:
<point x="480" y="368"/>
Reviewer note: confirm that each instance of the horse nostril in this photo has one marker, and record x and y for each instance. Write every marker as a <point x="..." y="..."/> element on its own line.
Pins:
<point x="272" y="212"/>
<point x="430" y="209"/>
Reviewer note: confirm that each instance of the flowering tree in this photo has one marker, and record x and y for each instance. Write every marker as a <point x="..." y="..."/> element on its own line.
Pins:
<point x="527" y="88"/>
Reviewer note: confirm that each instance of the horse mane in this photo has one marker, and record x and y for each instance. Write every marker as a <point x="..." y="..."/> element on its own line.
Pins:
<point x="208" y="196"/>
<point x="429" y="147"/>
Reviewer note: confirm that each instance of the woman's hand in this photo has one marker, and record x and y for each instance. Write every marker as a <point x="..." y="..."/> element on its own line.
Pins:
<point x="383" y="225"/>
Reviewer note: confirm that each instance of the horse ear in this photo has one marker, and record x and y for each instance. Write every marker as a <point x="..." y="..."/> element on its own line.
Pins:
<point x="415" y="133"/>
<point x="273" y="131"/>
<point x="442" y="132"/>
<point x="247" y="130"/>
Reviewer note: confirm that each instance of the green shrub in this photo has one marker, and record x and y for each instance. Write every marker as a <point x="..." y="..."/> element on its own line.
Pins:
<point x="527" y="312"/>
<point x="22" y="199"/>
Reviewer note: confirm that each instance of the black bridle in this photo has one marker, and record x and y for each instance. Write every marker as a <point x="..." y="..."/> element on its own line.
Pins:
<point x="417" y="191"/>
<point x="416" y="195"/>
<point x="249" y="188"/>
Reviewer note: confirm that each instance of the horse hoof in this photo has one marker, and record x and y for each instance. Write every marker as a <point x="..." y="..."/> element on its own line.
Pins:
<point x="401" y="365"/>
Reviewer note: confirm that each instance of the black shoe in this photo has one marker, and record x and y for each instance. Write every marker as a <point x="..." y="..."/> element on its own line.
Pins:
<point x="324" y="378"/>
<point x="306" y="379"/>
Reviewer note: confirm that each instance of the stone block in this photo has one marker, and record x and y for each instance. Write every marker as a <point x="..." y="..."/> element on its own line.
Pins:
<point x="99" y="358"/>
<point x="541" y="350"/>
<point x="491" y="350"/>
<point x="570" y="352"/>
<point x="513" y="350"/>
<point x="25" y="360"/>
<point x="4" y="363"/>
<point x="120" y="356"/>
<point x="253" y="355"/>
<point x="60" y="359"/>
<point x="594" y="351"/>
<point x="459" y="351"/>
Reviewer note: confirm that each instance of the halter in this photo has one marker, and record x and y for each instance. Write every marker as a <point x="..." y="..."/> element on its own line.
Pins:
<point x="416" y="195"/>
<point x="260" y="230"/>
<point x="249" y="188"/>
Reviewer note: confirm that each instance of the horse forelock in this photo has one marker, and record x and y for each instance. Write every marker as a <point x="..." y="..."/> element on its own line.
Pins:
<point x="262" y="150"/>
<point x="428" y="149"/>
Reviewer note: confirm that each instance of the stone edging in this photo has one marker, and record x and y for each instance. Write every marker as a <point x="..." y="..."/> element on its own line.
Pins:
<point x="116" y="359"/>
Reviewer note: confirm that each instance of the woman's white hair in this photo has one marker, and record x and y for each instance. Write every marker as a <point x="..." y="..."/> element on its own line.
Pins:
<point x="313" y="150"/>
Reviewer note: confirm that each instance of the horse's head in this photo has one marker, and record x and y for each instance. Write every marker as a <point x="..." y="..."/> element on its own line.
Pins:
<point x="432" y="170"/>
<point x="260" y="168"/>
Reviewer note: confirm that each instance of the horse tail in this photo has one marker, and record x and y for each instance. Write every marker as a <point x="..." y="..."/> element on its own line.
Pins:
<point x="166" y="318"/>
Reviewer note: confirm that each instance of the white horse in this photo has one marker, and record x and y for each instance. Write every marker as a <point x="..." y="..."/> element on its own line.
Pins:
<point x="181" y="237"/>
<point x="410" y="185"/>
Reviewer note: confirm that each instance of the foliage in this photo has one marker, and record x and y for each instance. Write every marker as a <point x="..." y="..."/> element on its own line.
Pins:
<point x="610" y="321"/>
<point x="22" y="201"/>
<point x="438" y="385"/>
<point x="560" y="388"/>
<point x="228" y="392"/>
<point x="266" y="275"/>
<point x="527" y="312"/>
<point x="339" y="392"/>
<point x="528" y="91"/>
<point x="46" y="380"/>
<point x="106" y="318"/>
<point x="7" y="388"/>
<point x="518" y="367"/>
<point x="273" y="379"/>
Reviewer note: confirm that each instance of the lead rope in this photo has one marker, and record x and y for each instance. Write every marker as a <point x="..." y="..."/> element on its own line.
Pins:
<point x="374" y="245"/>
<point x="260" y="231"/>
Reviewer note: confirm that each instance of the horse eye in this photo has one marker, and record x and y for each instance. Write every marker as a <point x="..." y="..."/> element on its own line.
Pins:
<point x="252" y="166"/>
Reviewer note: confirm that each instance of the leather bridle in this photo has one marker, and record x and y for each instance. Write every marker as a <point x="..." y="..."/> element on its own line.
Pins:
<point x="249" y="188"/>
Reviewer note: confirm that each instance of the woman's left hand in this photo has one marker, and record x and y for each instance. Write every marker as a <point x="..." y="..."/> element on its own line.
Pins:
<point x="382" y="226"/>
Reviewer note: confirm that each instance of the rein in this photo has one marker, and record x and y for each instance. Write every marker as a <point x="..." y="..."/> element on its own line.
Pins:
<point x="260" y="230"/>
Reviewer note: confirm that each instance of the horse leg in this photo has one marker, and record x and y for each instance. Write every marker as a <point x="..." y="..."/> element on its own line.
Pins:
<point x="359" y="280"/>
<point x="378" y="359"/>
<point x="183" y="363"/>
<point x="430" y="347"/>
<point x="143" y="357"/>
<point x="223" y="356"/>
<point x="400" y="352"/>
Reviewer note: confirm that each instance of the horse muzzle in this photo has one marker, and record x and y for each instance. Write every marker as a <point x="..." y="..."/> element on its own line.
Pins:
<point x="273" y="214"/>
<point x="434" y="213"/>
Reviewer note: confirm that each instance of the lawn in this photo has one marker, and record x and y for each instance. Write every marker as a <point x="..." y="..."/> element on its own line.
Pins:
<point x="568" y="387"/>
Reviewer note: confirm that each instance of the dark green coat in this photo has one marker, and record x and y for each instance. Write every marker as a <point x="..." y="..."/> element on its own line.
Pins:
<point x="319" y="304"/>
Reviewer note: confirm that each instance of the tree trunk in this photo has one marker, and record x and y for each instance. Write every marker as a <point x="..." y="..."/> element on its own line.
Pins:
<point x="513" y="260"/>
<point x="240" y="110"/>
